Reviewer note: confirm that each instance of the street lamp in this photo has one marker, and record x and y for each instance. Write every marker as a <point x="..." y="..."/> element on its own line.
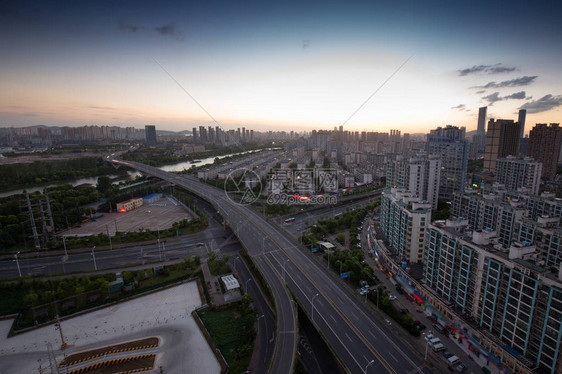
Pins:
<point x="109" y="236"/>
<point x="366" y="293"/>
<point x="377" y="291"/>
<point x="249" y="279"/>
<point x="64" y="244"/>
<point x="18" y="263"/>
<point x="263" y="245"/>
<point x="284" y="271"/>
<point x="369" y="364"/>
<point x="94" y="257"/>
<point x="312" y="303"/>
<point x="426" y="344"/>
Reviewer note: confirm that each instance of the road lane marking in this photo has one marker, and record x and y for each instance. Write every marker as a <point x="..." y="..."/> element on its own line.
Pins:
<point x="351" y="340"/>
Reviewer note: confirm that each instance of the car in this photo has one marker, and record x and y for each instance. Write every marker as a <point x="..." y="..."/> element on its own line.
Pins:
<point x="460" y="368"/>
<point x="421" y="327"/>
<point x="404" y="311"/>
<point x="370" y="254"/>
<point x="392" y="297"/>
<point x="388" y="322"/>
<point x="447" y="354"/>
<point x="428" y="337"/>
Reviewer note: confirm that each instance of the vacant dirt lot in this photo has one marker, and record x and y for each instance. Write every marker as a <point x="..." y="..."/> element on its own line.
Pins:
<point x="158" y="215"/>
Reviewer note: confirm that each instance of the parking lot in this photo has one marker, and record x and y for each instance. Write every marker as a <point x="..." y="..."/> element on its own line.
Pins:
<point x="159" y="215"/>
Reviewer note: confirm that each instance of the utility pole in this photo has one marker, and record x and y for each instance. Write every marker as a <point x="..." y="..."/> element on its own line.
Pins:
<point x="50" y="212"/>
<point x="58" y="326"/>
<point x="32" y="219"/>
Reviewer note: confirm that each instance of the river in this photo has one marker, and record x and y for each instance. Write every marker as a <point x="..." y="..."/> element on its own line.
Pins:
<point x="132" y="174"/>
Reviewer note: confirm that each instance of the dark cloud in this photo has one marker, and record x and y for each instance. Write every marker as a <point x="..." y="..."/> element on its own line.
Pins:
<point x="500" y="69"/>
<point x="480" y="92"/>
<point x="517" y="95"/>
<point x="169" y="30"/>
<point x="517" y="82"/>
<point x="492" y="98"/>
<point x="460" y="107"/>
<point x="127" y="27"/>
<point x="543" y="104"/>
<point x="489" y="69"/>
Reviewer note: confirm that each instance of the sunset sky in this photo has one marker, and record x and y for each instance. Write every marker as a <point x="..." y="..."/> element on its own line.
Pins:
<point x="280" y="65"/>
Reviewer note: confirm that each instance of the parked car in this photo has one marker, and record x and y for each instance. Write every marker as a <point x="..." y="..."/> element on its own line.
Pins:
<point x="391" y="297"/>
<point x="447" y="354"/>
<point x="388" y="322"/>
<point x="460" y="368"/>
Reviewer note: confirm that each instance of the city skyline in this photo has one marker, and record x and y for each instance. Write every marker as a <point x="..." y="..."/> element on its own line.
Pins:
<point x="289" y="66"/>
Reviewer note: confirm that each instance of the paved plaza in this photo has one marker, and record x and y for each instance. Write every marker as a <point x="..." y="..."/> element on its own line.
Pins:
<point x="165" y="314"/>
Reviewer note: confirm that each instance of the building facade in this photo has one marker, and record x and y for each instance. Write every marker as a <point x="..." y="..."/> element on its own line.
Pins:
<point x="419" y="175"/>
<point x="515" y="173"/>
<point x="544" y="146"/>
<point x="150" y="135"/>
<point x="516" y="305"/>
<point x="502" y="140"/>
<point x="404" y="220"/>
<point x="450" y="146"/>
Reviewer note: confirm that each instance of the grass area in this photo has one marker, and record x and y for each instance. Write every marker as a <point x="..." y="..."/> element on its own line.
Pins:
<point x="225" y="326"/>
<point x="38" y="301"/>
<point x="232" y="329"/>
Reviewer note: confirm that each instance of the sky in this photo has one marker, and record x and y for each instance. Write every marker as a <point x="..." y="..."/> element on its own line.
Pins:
<point x="285" y="65"/>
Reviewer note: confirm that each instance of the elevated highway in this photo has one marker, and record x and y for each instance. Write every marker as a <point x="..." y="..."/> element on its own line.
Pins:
<point x="362" y="342"/>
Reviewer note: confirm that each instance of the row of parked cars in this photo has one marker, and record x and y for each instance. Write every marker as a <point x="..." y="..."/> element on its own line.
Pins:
<point x="453" y="362"/>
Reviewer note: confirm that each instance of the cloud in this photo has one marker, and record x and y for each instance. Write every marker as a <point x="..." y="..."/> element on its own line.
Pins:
<point x="127" y="27"/>
<point x="517" y="82"/>
<point x="460" y="107"/>
<point x="543" y="104"/>
<point x="101" y="107"/>
<point x="517" y="95"/>
<point x="169" y="30"/>
<point x="492" y="98"/>
<point x="480" y="92"/>
<point x="490" y="69"/>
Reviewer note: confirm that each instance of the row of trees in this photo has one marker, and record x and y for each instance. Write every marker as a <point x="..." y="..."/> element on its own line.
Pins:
<point x="67" y="205"/>
<point x="42" y="172"/>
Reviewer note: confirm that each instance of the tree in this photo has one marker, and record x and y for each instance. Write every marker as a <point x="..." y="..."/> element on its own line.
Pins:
<point x="104" y="186"/>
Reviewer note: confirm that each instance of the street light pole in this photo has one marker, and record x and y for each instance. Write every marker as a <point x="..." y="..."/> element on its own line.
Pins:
<point x="366" y="293"/>
<point x="426" y="344"/>
<point x="249" y="279"/>
<point x="312" y="303"/>
<point x="18" y="263"/>
<point x="94" y="256"/>
<point x="109" y="236"/>
<point x="64" y="244"/>
<point x="263" y="245"/>
<point x="369" y="364"/>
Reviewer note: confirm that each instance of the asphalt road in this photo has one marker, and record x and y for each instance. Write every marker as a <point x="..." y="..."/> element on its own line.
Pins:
<point x="34" y="264"/>
<point x="363" y="343"/>
<point x="265" y="340"/>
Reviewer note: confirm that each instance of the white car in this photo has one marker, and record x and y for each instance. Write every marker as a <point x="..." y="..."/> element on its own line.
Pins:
<point x="391" y="297"/>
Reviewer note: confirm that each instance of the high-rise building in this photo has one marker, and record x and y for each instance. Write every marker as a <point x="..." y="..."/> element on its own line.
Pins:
<point x="404" y="220"/>
<point x="515" y="173"/>
<point x="450" y="145"/>
<point x="194" y="132"/>
<point x="516" y="305"/>
<point x="419" y="175"/>
<point x="521" y="120"/>
<point x="150" y="135"/>
<point x="544" y="146"/>
<point x="482" y="120"/>
<point x="502" y="140"/>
